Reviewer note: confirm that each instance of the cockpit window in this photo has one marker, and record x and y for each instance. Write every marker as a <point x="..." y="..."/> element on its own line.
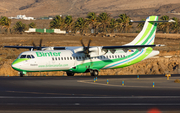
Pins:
<point x="28" y="56"/>
<point x="23" y="56"/>
<point x="32" y="56"/>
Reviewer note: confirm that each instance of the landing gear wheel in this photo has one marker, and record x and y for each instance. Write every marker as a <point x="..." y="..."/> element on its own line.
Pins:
<point x="21" y="74"/>
<point x="94" y="73"/>
<point x="69" y="74"/>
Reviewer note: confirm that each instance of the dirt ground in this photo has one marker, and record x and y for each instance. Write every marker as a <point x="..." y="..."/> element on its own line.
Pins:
<point x="160" y="65"/>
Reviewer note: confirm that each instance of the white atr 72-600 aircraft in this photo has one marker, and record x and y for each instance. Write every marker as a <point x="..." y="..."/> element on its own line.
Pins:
<point x="89" y="58"/>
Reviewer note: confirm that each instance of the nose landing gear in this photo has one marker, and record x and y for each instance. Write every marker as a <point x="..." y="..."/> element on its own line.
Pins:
<point x="21" y="74"/>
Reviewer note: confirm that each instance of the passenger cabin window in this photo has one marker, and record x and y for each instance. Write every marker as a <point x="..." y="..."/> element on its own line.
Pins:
<point x="58" y="58"/>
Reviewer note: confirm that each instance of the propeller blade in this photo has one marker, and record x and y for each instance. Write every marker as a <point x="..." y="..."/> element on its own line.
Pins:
<point x="40" y="44"/>
<point x="34" y="45"/>
<point x="82" y="43"/>
<point x="89" y="43"/>
<point x="89" y="46"/>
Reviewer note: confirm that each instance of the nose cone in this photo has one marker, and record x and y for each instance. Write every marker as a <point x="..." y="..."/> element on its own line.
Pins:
<point x="15" y="66"/>
<point x="18" y="63"/>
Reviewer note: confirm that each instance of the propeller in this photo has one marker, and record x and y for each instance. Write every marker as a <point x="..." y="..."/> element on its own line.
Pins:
<point x="86" y="50"/>
<point x="40" y="45"/>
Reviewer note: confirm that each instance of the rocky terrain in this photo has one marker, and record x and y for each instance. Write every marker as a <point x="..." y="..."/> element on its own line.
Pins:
<point x="168" y="61"/>
<point x="77" y="8"/>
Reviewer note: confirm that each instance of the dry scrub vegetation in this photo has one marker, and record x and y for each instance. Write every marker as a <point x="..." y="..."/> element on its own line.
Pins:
<point x="161" y="65"/>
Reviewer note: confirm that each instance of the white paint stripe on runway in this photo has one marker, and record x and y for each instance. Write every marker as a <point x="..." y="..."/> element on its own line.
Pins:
<point x="143" y="104"/>
<point x="100" y="104"/>
<point x="116" y="97"/>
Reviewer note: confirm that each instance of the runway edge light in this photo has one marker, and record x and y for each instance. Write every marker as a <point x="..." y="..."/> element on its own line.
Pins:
<point x="122" y="82"/>
<point x="168" y="75"/>
<point x="153" y="84"/>
<point x="137" y="76"/>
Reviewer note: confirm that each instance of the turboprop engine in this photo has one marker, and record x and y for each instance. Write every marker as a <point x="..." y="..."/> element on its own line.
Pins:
<point x="93" y="51"/>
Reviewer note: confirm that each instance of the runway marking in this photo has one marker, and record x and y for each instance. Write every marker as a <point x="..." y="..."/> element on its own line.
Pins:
<point x="39" y="93"/>
<point x="64" y="94"/>
<point x="99" y="104"/>
<point x="104" y="84"/>
<point x="115" y="97"/>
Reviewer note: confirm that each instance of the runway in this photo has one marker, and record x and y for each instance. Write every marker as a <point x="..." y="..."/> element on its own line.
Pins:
<point x="81" y="93"/>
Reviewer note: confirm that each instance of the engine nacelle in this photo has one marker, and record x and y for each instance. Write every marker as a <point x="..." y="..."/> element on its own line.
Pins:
<point x="94" y="51"/>
<point x="47" y="48"/>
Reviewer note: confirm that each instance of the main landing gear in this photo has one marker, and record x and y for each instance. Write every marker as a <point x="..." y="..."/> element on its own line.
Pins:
<point x="94" y="72"/>
<point x="69" y="74"/>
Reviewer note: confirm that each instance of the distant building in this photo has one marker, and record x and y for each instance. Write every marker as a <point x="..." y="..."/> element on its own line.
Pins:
<point x="22" y="17"/>
<point x="45" y="31"/>
<point x="46" y="18"/>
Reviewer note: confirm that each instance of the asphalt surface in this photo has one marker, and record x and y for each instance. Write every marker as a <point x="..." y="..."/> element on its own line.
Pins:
<point x="81" y="93"/>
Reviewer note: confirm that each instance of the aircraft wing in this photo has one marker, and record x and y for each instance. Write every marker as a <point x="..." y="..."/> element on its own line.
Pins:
<point x="129" y="46"/>
<point x="103" y="47"/>
<point x="32" y="47"/>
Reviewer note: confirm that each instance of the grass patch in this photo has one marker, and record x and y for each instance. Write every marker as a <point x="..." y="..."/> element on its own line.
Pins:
<point x="177" y="81"/>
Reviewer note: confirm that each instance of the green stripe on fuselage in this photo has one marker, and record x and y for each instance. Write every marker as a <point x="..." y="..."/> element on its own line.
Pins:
<point x="99" y="64"/>
<point x="138" y="59"/>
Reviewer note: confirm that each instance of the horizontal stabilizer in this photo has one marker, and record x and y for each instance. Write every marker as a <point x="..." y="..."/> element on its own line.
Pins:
<point x="153" y="21"/>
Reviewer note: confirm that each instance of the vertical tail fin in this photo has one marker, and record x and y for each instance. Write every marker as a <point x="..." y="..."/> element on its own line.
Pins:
<point x="147" y="35"/>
